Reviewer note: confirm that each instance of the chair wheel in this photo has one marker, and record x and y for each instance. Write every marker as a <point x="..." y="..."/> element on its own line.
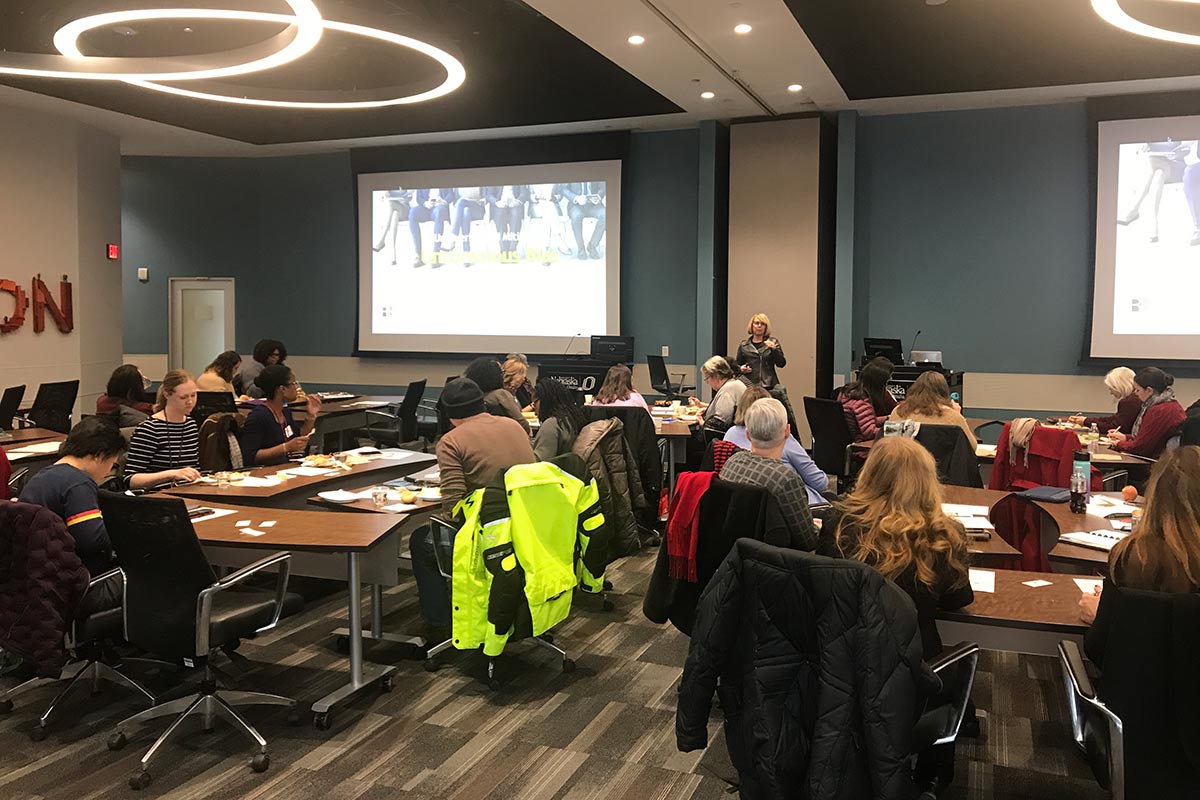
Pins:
<point x="117" y="741"/>
<point x="568" y="665"/>
<point x="342" y="644"/>
<point x="293" y="715"/>
<point x="431" y="665"/>
<point x="6" y="706"/>
<point x="386" y="683"/>
<point x="38" y="733"/>
<point x="493" y="684"/>
<point x="608" y="585"/>
<point x="548" y="638"/>
<point x="139" y="780"/>
<point x="608" y="605"/>
<point x="322" y="721"/>
<point x="260" y="762"/>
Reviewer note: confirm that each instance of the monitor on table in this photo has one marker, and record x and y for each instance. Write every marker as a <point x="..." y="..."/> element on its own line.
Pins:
<point x="888" y="348"/>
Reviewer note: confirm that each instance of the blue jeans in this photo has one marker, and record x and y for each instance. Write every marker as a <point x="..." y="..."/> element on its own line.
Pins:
<point x="433" y="594"/>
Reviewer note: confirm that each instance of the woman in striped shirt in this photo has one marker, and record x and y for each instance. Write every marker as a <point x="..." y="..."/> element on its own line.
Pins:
<point x="166" y="447"/>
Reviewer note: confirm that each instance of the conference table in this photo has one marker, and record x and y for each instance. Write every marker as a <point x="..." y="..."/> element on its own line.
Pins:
<point x="359" y="548"/>
<point x="338" y="417"/>
<point x="20" y="436"/>
<point x="29" y="445"/>
<point x="1105" y="457"/>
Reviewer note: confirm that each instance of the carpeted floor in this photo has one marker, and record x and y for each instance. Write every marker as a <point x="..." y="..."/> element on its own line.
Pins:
<point x="604" y="731"/>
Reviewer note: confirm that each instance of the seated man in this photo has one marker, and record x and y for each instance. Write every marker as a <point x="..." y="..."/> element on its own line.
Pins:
<point x="69" y="488"/>
<point x="762" y="465"/>
<point x="478" y="447"/>
<point x="586" y="200"/>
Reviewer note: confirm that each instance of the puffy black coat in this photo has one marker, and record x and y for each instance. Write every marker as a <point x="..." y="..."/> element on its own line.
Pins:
<point x="818" y="666"/>
<point x="610" y="461"/>
<point x="643" y="441"/>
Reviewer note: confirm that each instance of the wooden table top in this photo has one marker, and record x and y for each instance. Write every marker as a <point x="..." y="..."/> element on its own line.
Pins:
<point x="1015" y="605"/>
<point x="294" y="530"/>
<point x="20" y="436"/>
<point x="373" y="470"/>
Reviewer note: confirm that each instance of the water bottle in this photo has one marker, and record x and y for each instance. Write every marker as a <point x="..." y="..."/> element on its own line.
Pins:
<point x="1081" y="473"/>
<point x="1093" y="439"/>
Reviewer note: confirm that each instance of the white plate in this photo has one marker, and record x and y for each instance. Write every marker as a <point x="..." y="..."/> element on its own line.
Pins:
<point x="430" y="494"/>
<point x="338" y="496"/>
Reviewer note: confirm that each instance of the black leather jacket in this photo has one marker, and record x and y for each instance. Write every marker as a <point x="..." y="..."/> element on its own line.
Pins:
<point x="762" y="364"/>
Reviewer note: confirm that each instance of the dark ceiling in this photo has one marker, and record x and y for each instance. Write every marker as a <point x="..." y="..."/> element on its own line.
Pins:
<point x="522" y="69"/>
<point x="897" y="48"/>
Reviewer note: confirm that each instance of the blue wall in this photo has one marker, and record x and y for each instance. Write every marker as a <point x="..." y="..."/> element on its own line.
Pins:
<point x="284" y="228"/>
<point x="973" y="227"/>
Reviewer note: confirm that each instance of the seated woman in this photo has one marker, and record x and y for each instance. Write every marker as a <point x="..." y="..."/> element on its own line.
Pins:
<point x="866" y="402"/>
<point x="166" y="447"/>
<point x="1159" y="419"/>
<point x="218" y="376"/>
<point x="794" y="455"/>
<point x="893" y="520"/>
<point x="498" y="401"/>
<point x="1119" y="383"/>
<point x="1163" y="553"/>
<point x="617" y="389"/>
<point x="928" y="400"/>
<point x="270" y="434"/>
<point x="267" y="353"/>
<point x="561" y="419"/>
<point x="727" y="391"/>
<point x="516" y="378"/>
<point x="762" y="465"/>
<point x="122" y="399"/>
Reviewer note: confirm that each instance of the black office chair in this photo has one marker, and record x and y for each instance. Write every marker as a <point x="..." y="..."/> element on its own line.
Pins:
<point x="432" y="422"/>
<point x="953" y="453"/>
<point x="176" y="608"/>
<point x="942" y="720"/>
<point x="10" y="404"/>
<point x="660" y="380"/>
<point x="398" y="424"/>
<point x="209" y="403"/>
<point x="989" y="432"/>
<point x="52" y="406"/>
<point x="832" y="440"/>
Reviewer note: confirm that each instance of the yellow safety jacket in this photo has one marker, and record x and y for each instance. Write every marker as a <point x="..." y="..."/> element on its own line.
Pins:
<point x="515" y="555"/>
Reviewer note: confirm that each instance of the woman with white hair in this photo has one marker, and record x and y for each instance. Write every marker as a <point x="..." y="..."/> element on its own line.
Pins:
<point x="762" y="465"/>
<point x="1119" y="383"/>
<point x="727" y="391"/>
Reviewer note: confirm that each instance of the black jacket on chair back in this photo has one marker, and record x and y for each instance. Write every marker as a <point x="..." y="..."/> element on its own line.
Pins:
<point x="165" y="570"/>
<point x="818" y="666"/>
<point x="1147" y="645"/>
<point x="643" y="441"/>
<point x="957" y="464"/>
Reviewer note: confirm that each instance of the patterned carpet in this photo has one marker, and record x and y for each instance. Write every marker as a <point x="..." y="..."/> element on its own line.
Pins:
<point x="604" y="731"/>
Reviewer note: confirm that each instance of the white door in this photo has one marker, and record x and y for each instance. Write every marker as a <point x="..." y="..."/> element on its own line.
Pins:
<point x="202" y="315"/>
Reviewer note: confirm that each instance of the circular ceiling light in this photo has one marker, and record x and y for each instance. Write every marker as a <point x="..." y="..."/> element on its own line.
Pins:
<point x="636" y="39"/>
<point x="1111" y="12"/>
<point x="742" y="27"/>
<point x="707" y="95"/>
<point x="304" y="32"/>
<point x="455" y="73"/>
<point x="795" y="87"/>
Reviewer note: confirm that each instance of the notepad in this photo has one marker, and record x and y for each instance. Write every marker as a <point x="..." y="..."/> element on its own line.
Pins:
<point x="983" y="580"/>
<point x="1088" y="585"/>
<point x="39" y="448"/>
<point x="959" y="510"/>
<point x="1097" y="540"/>
<point x="217" y="513"/>
<point x="1108" y="507"/>
<point x="1106" y="456"/>
<point x="976" y="523"/>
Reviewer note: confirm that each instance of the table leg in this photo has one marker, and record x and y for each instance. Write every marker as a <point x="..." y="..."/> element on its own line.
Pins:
<point x="672" y="455"/>
<point x="377" y="634"/>
<point x="361" y="676"/>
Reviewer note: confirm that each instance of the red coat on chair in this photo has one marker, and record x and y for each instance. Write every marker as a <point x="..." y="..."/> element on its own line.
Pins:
<point x="1051" y="457"/>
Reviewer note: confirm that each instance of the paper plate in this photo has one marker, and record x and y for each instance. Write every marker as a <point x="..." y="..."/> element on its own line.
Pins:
<point x="338" y="496"/>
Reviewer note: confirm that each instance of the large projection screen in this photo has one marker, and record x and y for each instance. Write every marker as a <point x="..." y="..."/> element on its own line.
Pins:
<point x="1147" y="271"/>
<point x="467" y="262"/>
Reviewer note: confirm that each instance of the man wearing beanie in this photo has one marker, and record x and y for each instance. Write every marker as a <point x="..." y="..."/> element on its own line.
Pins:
<point x="477" y="448"/>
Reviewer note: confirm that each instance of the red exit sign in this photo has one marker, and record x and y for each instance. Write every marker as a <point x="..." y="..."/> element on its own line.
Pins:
<point x="114" y="252"/>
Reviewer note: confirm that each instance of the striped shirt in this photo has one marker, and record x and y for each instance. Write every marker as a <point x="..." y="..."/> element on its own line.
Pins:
<point x="158" y="445"/>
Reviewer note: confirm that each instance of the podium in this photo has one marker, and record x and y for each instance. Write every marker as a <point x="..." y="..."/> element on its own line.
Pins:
<point x="583" y="374"/>
<point x="903" y="377"/>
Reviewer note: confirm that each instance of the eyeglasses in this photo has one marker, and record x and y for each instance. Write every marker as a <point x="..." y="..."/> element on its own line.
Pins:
<point x="292" y="383"/>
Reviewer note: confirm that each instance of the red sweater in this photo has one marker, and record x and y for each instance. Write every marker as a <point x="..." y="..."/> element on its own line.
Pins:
<point x="1127" y="411"/>
<point x="5" y="474"/>
<point x="861" y="419"/>
<point x="1159" y="424"/>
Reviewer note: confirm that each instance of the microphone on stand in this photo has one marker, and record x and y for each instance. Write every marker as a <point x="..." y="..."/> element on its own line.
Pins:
<point x="911" y="346"/>
<point x="571" y="342"/>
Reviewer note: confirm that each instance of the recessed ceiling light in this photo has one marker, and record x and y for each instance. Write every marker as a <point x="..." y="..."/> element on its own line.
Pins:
<point x="795" y="87"/>
<point x="636" y="39"/>
<point x="1112" y="13"/>
<point x="742" y="27"/>
<point x="707" y="95"/>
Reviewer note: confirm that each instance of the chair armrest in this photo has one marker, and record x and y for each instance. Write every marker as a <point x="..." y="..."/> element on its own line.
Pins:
<point x="205" y="599"/>
<point x="92" y="583"/>
<point x="953" y="656"/>
<point x="1075" y="671"/>
<point x="1109" y="481"/>
<point x="442" y="531"/>
<point x="101" y="578"/>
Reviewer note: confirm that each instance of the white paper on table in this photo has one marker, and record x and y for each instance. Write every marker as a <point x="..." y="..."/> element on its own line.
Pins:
<point x="1037" y="584"/>
<point x="976" y="523"/>
<point x="1088" y="585"/>
<point x="268" y="524"/>
<point x="242" y="523"/>
<point x="308" y="472"/>
<point x="367" y="404"/>
<point x="255" y="482"/>
<point x="960" y="510"/>
<point x="217" y="513"/>
<point x="1107" y="506"/>
<point x="408" y="456"/>
<point x="252" y="532"/>
<point x="39" y="448"/>
<point x="401" y="507"/>
<point x="983" y="580"/>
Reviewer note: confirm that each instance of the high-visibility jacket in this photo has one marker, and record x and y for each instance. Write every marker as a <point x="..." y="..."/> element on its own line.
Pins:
<point x="516" y="553"/>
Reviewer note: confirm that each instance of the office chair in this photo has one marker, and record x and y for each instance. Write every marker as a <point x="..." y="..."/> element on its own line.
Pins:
<point x="209" y="403"/>
<point x="660" y="380"/>
<point x="832" y="440"/>
<point x="176" y="608"/>
<point x="953" y="453"/>
<point x="940" y="723"/>
<point x="52" y="406"/>
<point x="403" y="417"/>
<point x="10" y="404"/>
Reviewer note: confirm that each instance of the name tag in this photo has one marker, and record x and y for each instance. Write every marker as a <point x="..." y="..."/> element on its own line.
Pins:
<point x="287" y="432"/>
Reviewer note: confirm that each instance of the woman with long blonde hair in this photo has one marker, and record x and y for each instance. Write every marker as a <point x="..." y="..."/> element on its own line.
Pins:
<point x="893" y="520"/>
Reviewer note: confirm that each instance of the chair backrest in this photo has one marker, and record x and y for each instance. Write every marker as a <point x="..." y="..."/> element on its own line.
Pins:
<point x="209" y="403"/>
<point x="1049" y="461"/>
<point x="165" y="571"/>
<point x="831" y="435"/>
<point x="53" y="404"/>
<point x="10" y="403"/>
<point x="1190" y="432"/>
<point x="659" y="380"/>
<point x="638" y="427"/>
<point x="407" y="413"/>
<point x="953" y="453"/>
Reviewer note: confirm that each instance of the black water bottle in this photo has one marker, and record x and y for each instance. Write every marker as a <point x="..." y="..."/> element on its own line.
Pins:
<point x="1080" y="481"/>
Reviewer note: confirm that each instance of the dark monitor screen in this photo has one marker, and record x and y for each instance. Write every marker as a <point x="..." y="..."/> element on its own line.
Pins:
<point x="888" y="348"/>
<point x="618" y="348"/>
